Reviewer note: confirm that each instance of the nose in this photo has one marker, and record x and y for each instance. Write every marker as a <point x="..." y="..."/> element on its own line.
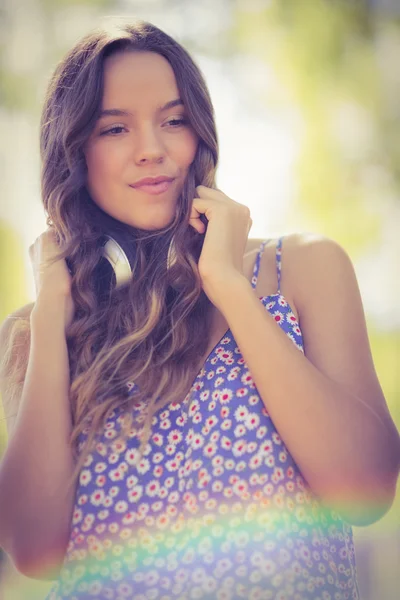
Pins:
<point x="148" y="146"/>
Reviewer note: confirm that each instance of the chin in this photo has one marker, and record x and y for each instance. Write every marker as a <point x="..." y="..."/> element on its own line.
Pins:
<point x="152" y="224"/>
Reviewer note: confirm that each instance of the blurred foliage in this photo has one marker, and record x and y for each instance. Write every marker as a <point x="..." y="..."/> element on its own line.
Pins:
<point x="385" y="347"/>
<point x="326" y="57"/>
<point x="15" y="91"/>
<point x="55" y="5"/>
<point x="18" y="86"/>
<point x="13" y="292"/>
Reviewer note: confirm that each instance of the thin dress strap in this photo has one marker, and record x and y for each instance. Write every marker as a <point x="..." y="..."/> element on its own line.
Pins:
<point x="279" y="262"/>
<point x="257" y="264"/>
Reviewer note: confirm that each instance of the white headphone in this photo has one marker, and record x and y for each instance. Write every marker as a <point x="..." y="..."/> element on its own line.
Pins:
<point x="117" y="258"/>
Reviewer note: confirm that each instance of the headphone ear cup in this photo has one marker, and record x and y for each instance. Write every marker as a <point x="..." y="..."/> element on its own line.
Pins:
<point x="104" y="278"/>
<point x="114" y="268"/>
<point x="115" y="261"/>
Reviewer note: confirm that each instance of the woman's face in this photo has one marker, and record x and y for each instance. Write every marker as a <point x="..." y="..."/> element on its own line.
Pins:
<point x="142" y="132"/>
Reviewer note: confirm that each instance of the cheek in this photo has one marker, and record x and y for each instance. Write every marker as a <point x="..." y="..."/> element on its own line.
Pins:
<point x="101" y="165"/>
<point x="97" y="163"/>
<point x="100" y="175"/>
<point x="186" y="151"/>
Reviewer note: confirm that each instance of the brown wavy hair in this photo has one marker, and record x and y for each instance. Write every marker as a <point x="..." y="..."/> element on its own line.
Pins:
<point x="153" y="331"/>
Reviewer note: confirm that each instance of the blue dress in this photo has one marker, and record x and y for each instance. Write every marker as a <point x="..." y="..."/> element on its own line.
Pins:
<point x="216" y="509"/>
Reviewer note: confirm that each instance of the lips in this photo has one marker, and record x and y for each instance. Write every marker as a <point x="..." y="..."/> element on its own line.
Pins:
<point x="154" y="188"/>
<point x="151" y="180"/>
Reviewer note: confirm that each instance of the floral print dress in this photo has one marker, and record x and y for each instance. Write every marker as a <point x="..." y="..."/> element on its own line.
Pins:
<point x="216" y="509"/>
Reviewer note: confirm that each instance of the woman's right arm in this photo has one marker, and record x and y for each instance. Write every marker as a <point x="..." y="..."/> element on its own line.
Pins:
<point x="35" y="510"/>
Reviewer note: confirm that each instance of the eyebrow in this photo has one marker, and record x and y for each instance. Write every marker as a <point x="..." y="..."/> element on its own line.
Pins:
<point x="117" y="112"/>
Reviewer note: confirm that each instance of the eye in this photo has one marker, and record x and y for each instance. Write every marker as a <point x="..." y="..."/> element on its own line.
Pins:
<point x="113" y="130"/>
<point x="177" y="122"/>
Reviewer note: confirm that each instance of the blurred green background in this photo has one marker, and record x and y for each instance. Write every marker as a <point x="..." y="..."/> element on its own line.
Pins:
<point x="306" y="94"/>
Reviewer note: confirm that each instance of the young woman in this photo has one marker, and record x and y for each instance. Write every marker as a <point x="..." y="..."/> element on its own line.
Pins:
<point x="197" y="422"/>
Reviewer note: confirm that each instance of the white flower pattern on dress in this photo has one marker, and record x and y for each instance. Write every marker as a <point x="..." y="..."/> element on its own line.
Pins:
<point x="216" y="509"/>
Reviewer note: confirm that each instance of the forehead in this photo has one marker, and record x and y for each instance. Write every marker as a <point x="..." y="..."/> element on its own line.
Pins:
<point x="132" y="75"/>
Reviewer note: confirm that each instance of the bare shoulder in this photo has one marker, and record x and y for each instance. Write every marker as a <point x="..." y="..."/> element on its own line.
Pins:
<point x="21" y="314"/>
<point x="303" y="243"/>
<point x="14" y="352"/>
<point x="312" y="261"/>
<point x="13" y="328"/>
<point x="253" y="245"/>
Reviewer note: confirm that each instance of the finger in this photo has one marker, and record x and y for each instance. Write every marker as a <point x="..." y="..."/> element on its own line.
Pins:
<point x="197" y="225"/>
<point x="206" y="192"/>
<point x="195" y="220"/>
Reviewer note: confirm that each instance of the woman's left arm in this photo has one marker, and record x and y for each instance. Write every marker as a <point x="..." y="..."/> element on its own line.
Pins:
<point x="326" y="404"/>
